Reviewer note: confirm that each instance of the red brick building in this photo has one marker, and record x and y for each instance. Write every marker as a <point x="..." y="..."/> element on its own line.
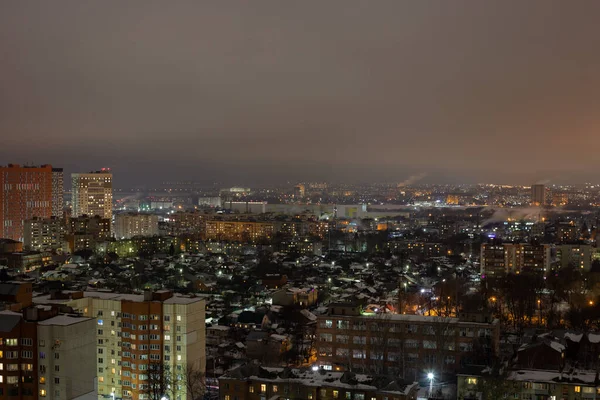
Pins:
<point x="25" y="192"/>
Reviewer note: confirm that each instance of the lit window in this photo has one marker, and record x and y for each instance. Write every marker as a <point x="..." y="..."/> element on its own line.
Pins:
<point x="471" y="381"/>
<point x="577" y="389"/>
<point x="43" y="393"/>
<point x="263" y="388"/>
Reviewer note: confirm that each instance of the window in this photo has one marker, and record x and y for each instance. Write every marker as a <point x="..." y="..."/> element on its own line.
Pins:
<point x="43" y="393"/>
<point x="100" y="322"/>
<point x="263" y="388"/>
<point x="167" y="317"/>
<point x="12" y="379"/>
<point x="348" y="395"/>
<point x="12" y="354"/>
<point x="27" y="354"/>
<point x="359" y="354"/>
<point x="179" y="318"/>
<point x="326" y="337"/>
<point x="577" y="389"/>
<point x="275" y="388"/>
<point x="11" y="342"/>
<point x="336" y="394"/>
<point x="26" y="342"/>
<point x="57" y="380"/>
<point x="429" y="344"/>
<point x="342" y="352"/>
<point x="341" y="339"/>
<point x="42" y="343"/>
<point x="471" y="381"/>
<point x="359" y="340"/>
<point x="251" y="389"/>
<point x="27" y="367"/>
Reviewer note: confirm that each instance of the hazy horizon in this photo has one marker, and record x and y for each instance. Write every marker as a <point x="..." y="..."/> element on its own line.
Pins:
<point x="257" y="92"/>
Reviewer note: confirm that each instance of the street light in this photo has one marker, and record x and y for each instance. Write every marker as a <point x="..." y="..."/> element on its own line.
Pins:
<point x="430" y="376"/>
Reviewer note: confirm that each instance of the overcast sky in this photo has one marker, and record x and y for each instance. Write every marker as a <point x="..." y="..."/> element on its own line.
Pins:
<point x="247" y="92"/>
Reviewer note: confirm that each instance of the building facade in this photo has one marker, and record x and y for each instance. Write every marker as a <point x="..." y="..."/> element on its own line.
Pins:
<point x="25" y="192"/>
<point x="239" y="231"/>
<point x="499" y="259"/>
<point x="348" y="339"/>
<point x="138" y="332"/>
<point x="44" y="234"/>
<point x="92" y="194"/>
<point x="538" y="195"/>
<point x="252" y="382"/>
<point x="132" y="224"/>
<point x="58" y="192"/>
<point x="46" y="354"/>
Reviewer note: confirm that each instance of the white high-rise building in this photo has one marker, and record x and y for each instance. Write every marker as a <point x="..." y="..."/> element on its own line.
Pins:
<point x="136" y="332"/>
<point x="92" y="193"/>
<point x="131" y="224"/>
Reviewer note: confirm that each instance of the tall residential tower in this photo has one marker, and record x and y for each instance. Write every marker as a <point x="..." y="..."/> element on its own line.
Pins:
<point x="538" y="195"/>
<point x="25" y="192"/>
<point x="58" y="192"/>
<point x="92" y="193"/>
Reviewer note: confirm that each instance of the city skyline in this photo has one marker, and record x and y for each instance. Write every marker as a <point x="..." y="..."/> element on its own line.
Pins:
<point x="497" y="91"/>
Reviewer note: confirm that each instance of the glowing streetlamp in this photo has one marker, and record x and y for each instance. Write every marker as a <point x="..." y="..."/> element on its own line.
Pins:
<point x="430" y="376"/>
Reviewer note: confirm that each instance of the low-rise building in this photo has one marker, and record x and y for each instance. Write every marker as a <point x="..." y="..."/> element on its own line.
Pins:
<point x="482" y="383"/>
<point x="291" y="296"/>
<point x="348" y="339"/>
<point x="252" y="382"/>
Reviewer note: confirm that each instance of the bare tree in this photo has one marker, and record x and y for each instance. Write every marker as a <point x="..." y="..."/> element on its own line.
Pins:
<point x="194" y="380"/>
<point x="159" y="380"/>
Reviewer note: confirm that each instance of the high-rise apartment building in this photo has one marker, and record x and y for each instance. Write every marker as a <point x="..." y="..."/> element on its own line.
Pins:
<point x="538" y="195"/>
<point x="138" y="332"/>
<point x="499" y="259"/>
<point x="131" y="224"/>
<point x="25" y="192"/>
<point x="58" y="192"/>
<point x="92" y="193"/>
<point x="44" y="234"/>
<point x="44" y="354"/>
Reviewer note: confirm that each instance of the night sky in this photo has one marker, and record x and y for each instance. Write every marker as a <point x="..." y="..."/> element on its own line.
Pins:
<point x="252" y="92"/>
